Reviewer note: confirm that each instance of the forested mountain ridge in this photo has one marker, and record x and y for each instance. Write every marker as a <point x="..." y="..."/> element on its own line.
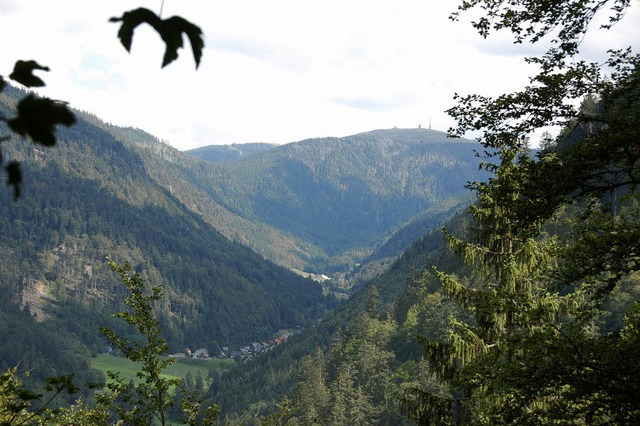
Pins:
<point x="320" y="204"/>
<point x="96" y="194"/>
<point x="268" y="380"/>
<point x="221" y="153"/>
<point x="525" y="310"/>
<point x="111" y="191"/>
<point x="189" y="180"/>
<point x="105" y="191"/>
<point x="347" y="193"/>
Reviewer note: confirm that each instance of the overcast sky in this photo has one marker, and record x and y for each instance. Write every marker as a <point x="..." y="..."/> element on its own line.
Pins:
<point x="273" y="70"/>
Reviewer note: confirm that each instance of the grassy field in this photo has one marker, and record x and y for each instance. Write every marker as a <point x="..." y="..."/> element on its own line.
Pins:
<point x="178" y="369"/>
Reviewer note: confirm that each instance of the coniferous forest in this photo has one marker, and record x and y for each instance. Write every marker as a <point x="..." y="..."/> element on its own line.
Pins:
<point x="413" y="287"/>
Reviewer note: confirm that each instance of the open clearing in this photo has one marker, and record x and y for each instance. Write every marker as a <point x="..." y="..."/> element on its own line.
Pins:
<point x="178" y="369"/>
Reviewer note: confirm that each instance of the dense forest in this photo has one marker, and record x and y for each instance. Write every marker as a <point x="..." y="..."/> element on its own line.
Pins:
<point x="256" y="387"/>
<point x="220" y="153"/>
<point x="92" y="197"/>
<point x="539" y="323"/>
<point x="347" y="193"/>
<point x="110" y="191"/>
<point x="524" y="309"/>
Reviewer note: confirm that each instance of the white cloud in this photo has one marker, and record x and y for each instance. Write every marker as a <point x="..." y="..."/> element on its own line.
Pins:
<point x="275" y="71"/>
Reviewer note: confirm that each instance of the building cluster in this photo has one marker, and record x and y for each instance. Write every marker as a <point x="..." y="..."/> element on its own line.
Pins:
<point x="201" y="353"/>
<point x="319" y="277"/>
<point x="247" y="352"/>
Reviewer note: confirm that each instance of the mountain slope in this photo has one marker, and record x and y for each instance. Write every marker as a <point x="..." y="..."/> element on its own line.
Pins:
<point x="310" y="204"/>
<point x="346" y="193"/>
<point x="92" y="196"/>
<point x="189" y="180"/>
<point x="255" y="387"/>
<point x="119" y="192"/>
<point x="221" y="153"/>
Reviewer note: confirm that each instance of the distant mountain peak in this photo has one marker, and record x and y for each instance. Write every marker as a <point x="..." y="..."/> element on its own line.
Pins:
<point x="415" y="134"/>
<point x="222" y="153"/>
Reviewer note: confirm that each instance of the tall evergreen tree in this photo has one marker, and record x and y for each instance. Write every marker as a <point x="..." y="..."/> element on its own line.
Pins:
<point x="311" y="394"/>
<point x="530" y="354"/>
<point x="503" y="249"/>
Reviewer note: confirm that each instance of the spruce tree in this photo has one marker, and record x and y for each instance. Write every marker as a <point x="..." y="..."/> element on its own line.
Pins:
<point x="532" y="353"/>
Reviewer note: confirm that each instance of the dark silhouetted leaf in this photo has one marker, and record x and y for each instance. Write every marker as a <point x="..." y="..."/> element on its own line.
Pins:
<point x="14" y="178"/>
<point x="38" y="117"/>
<point x="172" y="36"/>
<point x="130" y="20"/>
<point x="23" y="73"/>
<point x="170" y="30"/>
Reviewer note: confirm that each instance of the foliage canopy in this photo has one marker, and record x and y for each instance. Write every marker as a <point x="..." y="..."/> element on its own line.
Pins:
<point x="552" y="238"/>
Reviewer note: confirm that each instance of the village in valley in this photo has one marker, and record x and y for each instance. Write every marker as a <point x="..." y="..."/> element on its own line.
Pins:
<point x="243" y="353"/>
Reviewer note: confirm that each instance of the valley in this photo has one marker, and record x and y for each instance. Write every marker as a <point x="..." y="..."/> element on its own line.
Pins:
<point x="320" y="281"/>
<point x="178" y="370"/>
<point x="242" y="245"/>
<point x="220" y="237"/>
<point x="396" y="276"/>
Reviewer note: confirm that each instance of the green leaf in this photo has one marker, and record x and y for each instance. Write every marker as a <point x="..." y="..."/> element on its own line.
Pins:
<point x="170" y="30"/>
<point x="37" y="118"/>
<point x="23" y="73"/>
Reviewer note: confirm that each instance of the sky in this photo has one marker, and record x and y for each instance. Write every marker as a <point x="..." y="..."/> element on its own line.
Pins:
<point x="274" y="71"/>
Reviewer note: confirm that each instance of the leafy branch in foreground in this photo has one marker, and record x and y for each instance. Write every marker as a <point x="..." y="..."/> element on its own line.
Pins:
<point x="16" y="404"/>
<point x="530" y="21"/>
<point x="37" y="117"/>
<point x="151" y="398"/>
<point x="553" y="239"/>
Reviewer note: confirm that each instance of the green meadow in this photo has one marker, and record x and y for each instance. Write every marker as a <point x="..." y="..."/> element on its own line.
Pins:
<point x="178" y="369"/>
